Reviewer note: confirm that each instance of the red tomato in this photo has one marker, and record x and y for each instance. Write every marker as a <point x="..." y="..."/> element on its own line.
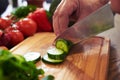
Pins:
<point x="10" y="28"/>
<point x="1" y="32"/>
<point x="5" y="39"/>
<point x="15" y="37"/>
<point x="4" y="23"/>
<point x="27" y="26"/>
<point x="11" y="37"/>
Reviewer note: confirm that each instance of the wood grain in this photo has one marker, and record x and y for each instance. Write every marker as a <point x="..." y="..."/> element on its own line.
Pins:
<point x="87" y="60"/>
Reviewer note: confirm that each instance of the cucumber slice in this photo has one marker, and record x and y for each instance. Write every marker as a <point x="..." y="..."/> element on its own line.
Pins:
<point x="32" y="56"/>
<point x="56" y="54"/>
<point x="63" y="44"/>
<point x="46" y="59"/>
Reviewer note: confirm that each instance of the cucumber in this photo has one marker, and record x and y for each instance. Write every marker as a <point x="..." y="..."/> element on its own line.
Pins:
<point x="56" y="54"/>
<point x="46" y="59"/>
<point x="64" y="45"/>
<point x="32" y="56"/>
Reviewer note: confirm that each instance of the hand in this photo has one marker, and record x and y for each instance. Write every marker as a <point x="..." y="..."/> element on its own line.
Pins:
<point x="73" y="9"/>
<point x="115" y="5"/>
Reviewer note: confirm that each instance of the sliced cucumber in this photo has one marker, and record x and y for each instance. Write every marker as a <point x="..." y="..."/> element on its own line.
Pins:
<point x="46" y="59"/>
<point x="63" y="44"/>
<point x="32" y="56"/>
<point x="56" y="54"/>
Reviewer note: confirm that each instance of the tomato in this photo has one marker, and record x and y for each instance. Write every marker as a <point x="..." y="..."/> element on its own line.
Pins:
<point x="27" y="26"/>
<point x="1" y="32"/>
<point x="11" y="37"/>
<point x="4" y="23"/>
<point x="10" y="28"/>
<point x="5" y="39"/>
<point x="15" y="37"/>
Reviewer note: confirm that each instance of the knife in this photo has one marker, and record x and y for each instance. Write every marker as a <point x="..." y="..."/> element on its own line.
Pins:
<point x="100" y="20"/>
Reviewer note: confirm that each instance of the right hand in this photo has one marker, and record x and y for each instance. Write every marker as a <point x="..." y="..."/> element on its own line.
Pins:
<point x="73" y="9"/>
<point x="115" y="4"/>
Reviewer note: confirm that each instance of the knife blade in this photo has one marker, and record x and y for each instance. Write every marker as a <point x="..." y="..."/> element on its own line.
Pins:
<point x="97" y="22"/>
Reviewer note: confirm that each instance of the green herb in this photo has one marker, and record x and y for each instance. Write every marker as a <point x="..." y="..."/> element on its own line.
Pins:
<point x="15" y="67"/>
<point x="23" y="11"/>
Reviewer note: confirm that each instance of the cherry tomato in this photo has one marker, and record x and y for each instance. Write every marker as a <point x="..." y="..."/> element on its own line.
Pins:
<point x="14" y="37"/>
<point x="4" y="23"/>
<point x="1" y="32"/>
<point x="10" y="28"/>
<point x="27" y="26"/>
<point x="5" y="39"/>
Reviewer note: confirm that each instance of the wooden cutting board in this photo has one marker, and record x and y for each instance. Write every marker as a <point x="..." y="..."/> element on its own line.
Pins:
<point x="87" y="60"/>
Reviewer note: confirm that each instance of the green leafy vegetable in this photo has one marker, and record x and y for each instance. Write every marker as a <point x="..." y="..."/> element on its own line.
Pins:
<point x="23" y="11"/>
<point x="15" y="67"/>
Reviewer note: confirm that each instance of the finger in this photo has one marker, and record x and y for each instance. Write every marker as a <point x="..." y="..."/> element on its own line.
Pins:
<point x="55" y="19"/>
<point x="115" y="6"/>
<point x="61" y="15"/>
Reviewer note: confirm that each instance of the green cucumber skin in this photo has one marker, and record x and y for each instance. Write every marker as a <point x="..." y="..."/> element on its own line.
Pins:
<point x="51" y="62"/>
<point x="38" y="59"/>
<point x="57" y="57"/>
<point x="66" y="47"/>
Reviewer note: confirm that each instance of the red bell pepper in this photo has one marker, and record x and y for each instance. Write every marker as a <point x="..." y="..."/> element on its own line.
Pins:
<point x="40" y="17"/>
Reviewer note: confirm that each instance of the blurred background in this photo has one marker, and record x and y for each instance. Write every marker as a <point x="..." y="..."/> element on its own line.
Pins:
<point x="7" y="6"/>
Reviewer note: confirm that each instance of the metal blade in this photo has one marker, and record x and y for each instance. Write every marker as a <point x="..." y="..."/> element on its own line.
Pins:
<point x="99" y="21"/>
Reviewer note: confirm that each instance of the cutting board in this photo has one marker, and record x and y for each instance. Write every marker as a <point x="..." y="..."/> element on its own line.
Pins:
<point x="87" y="60"/>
